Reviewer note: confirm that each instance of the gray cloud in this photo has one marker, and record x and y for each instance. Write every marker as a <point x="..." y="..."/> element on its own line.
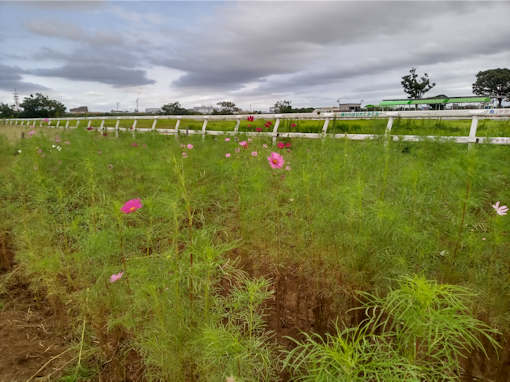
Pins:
<point x="116" y="76"/>
<point x="11" y="78"/>
<point x="289" y="41"/>
<point x="59" y="29"/>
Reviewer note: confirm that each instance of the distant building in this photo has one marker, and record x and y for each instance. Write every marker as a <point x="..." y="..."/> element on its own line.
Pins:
<point x="343" y="107"/>
<point x="204" y="109"/>
<point x="438" y="102"/>
<point x="119" y="111"/>
<point x="80" y="109"/>
<point x="153" y="110"/>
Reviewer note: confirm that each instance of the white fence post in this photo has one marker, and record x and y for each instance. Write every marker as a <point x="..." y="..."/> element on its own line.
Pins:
<point x="58" y="124"/>
<point x="236" y="128"/>
<point x="154" y="123"/>
<point x="325" y="127"/>
<point x="67" y="125"/>
<point x="117" y="127"/>
<point x="77" y="124"/>
<point x="177" y="127"/>
<point x="89" y="124"/>
<point x="134" y="128"/>
<point x="389" y="126"/>
<point x="101" y="128"/>
<point x="275" y="130"/>
<point x="472" y="131"/>
<point x="204" y="126"/>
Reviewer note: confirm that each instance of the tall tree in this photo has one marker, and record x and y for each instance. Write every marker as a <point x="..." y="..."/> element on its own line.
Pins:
<point x="226" y="107"/>
<point x="283" y="106"/>
<point x="40" y="106"/>
<point x="174" y="108"/>
<point x="493" y="83"/>
<point x="414" y="87"/>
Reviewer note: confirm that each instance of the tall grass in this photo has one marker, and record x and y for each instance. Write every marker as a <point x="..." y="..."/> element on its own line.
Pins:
<point x="204" y="256"/>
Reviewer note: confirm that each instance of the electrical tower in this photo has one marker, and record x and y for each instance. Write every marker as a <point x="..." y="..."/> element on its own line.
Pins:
<point x="16" y="100"/>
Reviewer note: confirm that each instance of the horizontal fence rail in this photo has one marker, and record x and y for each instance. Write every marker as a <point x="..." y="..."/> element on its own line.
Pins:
<point x="327" y="117"/>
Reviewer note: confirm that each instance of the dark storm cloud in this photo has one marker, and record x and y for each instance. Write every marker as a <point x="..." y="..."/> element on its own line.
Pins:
<point x="107" y="74"/>
<point x="11" y="78"/>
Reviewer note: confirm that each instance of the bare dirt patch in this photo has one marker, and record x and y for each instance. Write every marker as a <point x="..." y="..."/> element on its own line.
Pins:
<point x="33" y="345"/>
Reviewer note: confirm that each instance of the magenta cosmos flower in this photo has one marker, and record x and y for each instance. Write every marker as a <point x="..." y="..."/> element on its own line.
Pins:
<point x="250" y="118"/>
<point x="275" y="160"/>
<point x="293" y="125"/>
<point x="131" y="206"/>
<point x="281" y="145"/>
<point x="258" y="129"/>
<point x="254" y="153"/>
<point x="500" y="210"/>
<point x="243" y="144"/>
<point x="189" y="146"/>
<point x="116" y="277"/>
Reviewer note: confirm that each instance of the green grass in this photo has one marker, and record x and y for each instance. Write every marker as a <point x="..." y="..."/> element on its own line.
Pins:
<point x="205" y="257"/>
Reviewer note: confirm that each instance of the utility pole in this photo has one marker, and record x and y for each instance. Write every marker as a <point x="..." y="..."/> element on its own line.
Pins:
<point x="16" y="100"/>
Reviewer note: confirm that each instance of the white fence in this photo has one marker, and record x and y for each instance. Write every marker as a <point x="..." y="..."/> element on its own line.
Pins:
<point x="473" y="115"/>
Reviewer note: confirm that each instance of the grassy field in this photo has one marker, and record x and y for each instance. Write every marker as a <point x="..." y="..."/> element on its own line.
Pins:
<point x="492" y="128"/>
<point x="354" y="261"/>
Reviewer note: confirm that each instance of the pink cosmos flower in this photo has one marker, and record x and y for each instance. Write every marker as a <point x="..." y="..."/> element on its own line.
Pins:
<point x="281" y="145"/>
<point x="287" y="168"/>
<point x="500" y="210"/>
<point x="250" y="118"/>
<point x="254" y="153"/>
<point x="57" y="139"/>
<point x="264" y="146"/>
<point x="288" y="145"/>
<point x="131" y="206"/>
<point x="116" y="277"/>
<point x="243" y="144"/>
<point x="189" y="146"/>
<point x="46" y="120"/>
<point x="134" y="144"/>
<point x="258" y="129"/>
<point x="30" y="133"/>
<point x="184" y="154"/>
<point x="275" y="160"/>
<point x="227" y="155"/>
<point x="227" y="139"/>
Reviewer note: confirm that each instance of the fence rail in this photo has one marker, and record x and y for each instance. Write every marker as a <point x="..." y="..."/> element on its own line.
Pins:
<point x="391" y="116"/>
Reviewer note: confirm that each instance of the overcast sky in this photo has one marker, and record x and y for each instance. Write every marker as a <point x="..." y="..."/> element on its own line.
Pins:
<point x="251" y="52"/>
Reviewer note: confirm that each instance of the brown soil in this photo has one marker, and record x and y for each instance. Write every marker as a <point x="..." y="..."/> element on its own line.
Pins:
<point x="33" y="347"/>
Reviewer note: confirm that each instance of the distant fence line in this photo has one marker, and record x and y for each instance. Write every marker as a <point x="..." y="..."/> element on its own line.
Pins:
<point x="474" y="115"/>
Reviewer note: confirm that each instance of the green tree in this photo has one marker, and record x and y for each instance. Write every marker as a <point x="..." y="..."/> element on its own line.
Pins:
<point x="40" y="106"/>
<point x="493" y="83"/>
<point x="226" y="107"/>
<point x="7" y="111"/>
<point x="174" y="108"/>
<point x="283" y="106"/>
<point x="414" y="87"/>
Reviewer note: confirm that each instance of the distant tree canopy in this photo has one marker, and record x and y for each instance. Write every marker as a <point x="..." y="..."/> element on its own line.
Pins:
<point x="7" y="111"/>
<point x="414" y="87"/>
<point x="493" y="83"/>
<point x="174" y="108"/>
<point x="284" y="106"/>
<point x="40" y="106"/>
<point x="226" y="107"/>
